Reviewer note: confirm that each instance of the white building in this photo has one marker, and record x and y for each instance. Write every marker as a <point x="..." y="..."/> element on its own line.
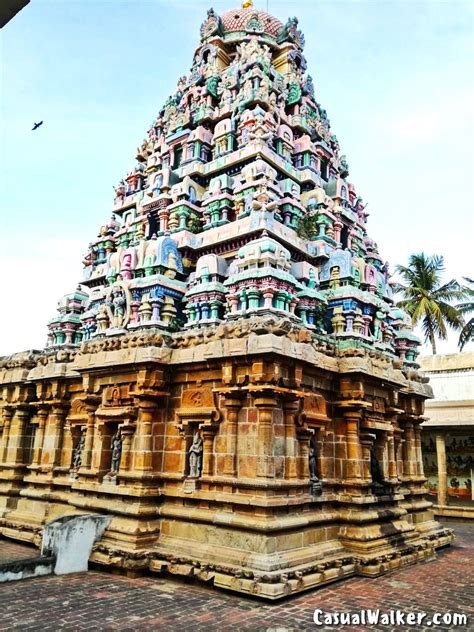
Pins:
<point x="448" y="434"/>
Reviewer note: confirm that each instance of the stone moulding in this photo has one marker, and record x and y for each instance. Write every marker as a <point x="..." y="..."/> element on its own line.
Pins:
<point x="275" y="584"/>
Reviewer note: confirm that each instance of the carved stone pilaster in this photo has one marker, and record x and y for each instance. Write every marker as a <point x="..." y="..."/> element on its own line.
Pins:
<point x="51" y="452"/>
<point x="366" y="441"/>
<point x="353" y="469"/>
<point x="266" y="403"/>
<point x="208" y="433"/>
<point x="89" y="440"/>
<point x="7" y="415"/>
<point x="304" y="435"/>
<point x="16" y="438"/>
<point x="127" y="433"/>
<point x="232" y="401"/>
<point x="392" y="463"/>
<point x="419" y="454"/>
<point x="409" y="449"/>
<point x="143" y="456"/>
<point x="291" y="406"/>
<point x="42" y="416"/>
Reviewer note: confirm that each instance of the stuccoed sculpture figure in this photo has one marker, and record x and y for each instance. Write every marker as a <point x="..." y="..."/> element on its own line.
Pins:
<point x="118" y="304"/>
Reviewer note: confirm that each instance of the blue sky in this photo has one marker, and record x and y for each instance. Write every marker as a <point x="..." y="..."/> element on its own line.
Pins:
<point x="395" y="77"/>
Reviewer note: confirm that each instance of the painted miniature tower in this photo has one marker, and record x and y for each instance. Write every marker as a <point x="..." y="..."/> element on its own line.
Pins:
<point x="231" y="380"/>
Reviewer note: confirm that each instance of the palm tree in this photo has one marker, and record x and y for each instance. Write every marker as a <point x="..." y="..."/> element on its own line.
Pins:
<point x="466" y="308"/>
<point x="426" y="300"/>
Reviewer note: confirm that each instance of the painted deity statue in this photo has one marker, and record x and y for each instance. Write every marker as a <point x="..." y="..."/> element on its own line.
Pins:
<point x="118" y="303"/>
<point x="102" y="318"/>
<point x="260" y="130"/>
<point x="335" y="278"/>
<point x="264" y="206"/>
<point x="378" y="324"/>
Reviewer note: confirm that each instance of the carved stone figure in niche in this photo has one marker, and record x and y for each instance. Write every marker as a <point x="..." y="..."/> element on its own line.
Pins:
<point x="312" y="462"/>
<point x="316" y="487"/>
<point x="375" y="469"/>
<point x="77" y="454"/>
<point x="115" y="396"/>
<point x="308" y="86"/>
<point x="158" y="183"/>
<point x="264" y="88"/>
<point x="195" y="456"/>
<point x="116" y="448"/>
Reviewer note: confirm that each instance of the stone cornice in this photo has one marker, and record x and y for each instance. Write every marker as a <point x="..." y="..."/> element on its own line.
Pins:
<point x="264" y="335"/>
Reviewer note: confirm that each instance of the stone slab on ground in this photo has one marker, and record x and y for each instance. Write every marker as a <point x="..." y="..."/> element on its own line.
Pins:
<point x="102" y="601"/>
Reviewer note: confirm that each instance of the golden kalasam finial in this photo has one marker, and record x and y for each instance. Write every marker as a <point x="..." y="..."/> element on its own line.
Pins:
<point x="247" y="4"/>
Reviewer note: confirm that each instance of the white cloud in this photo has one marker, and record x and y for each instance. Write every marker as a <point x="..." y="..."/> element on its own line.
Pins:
<point x="422" y="122"/>
<point x="33" y="281"/>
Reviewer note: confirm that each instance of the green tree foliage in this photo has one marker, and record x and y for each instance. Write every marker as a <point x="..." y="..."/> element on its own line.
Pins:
<point x="194" y="224"/>
<point x="428" y="301"/>
<point x="466" y="308"/>
<point x="307" y="226"/>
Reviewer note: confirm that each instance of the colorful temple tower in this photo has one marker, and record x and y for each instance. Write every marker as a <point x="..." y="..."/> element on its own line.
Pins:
<point x="231" y="380"/>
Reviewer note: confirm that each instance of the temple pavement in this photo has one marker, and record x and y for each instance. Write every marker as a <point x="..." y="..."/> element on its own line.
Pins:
<point x="102" y="601"/>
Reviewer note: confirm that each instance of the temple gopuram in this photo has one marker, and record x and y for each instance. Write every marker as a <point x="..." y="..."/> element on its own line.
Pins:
<point x="231" y="379"/>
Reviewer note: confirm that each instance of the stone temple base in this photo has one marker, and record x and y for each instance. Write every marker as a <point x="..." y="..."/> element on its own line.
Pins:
<point x="289" y="555"/>
<point x="276" y="411"/>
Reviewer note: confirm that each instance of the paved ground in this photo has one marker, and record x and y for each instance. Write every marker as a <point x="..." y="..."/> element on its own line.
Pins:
<point x="100" y="601"/>
<point x="11" y="551"/>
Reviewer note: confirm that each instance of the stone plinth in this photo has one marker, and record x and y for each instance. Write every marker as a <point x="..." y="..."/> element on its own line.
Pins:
<point x="249" y="520"/>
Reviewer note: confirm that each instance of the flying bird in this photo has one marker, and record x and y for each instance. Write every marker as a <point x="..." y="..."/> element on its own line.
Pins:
<point x="36" y="125"/>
